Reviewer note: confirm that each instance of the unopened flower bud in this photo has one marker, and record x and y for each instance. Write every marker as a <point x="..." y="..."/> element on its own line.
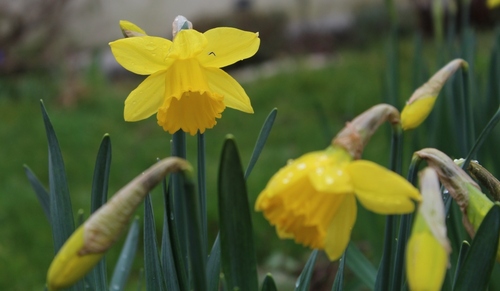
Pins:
<point x="85" y="247"/>
<point x="420" y="104"/>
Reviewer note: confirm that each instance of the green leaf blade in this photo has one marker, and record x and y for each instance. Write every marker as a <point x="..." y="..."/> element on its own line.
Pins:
<point x="152" y="266"/>
<point x="237" y="247"/>
<point x="475" y="271"/>
<point x="304" y="279"/>
<point x="127" y="255"/>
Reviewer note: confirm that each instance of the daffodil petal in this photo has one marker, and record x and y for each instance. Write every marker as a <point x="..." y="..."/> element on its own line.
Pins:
<point x="339" y="231"/>
<point x="234" y="95"/>
<point x="68" y="265"/>
<point x="188" y="43"/>
<point x="146" y="99"/>
<point x="426" y="262"/>
<point x="143" y="55"/>
<point x="327" y="173"/>
<point x="380" y="190"/>
<point x="227" y="46"/>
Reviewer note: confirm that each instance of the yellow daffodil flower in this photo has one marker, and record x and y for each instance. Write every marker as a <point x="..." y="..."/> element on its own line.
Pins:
<point x="313" y="198"/>
<point x="86" y="246"/>
<point x="428" y="248"/>
<point x="420" y="105"/>
<point x="186" y="87"/>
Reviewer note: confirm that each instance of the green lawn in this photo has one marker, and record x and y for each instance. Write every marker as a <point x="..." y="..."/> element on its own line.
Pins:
<point x="312" y="106"/>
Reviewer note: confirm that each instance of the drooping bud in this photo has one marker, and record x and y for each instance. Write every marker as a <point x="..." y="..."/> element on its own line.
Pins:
<point x="131" y="30"/>
<point x="180" y="22"/>
<point x="420" y="104"/>
<point x="358" y="132"/>
<point x="85" y="247"/>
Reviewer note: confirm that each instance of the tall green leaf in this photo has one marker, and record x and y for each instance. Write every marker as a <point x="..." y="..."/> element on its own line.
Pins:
<point x="40" y="191"/>
<point x="237" y="247"/>
<point x="213" y="266"/>
<point x="361" y="266"/>
<point x="167" y="256"/>
<point x="268" y="284"/>
<point x="304" y="279"/>
<point x="99" y="197"/>
<point x="261" y="140"/>
<point x="177" y="238"/>
<point x="127" y="255"/>
<point x="338" y="284"/>
<point x="195" y="240"/>
<point x="61" y="212"/>
<point x="475" y="272"/>
<point x="152" y="266"/>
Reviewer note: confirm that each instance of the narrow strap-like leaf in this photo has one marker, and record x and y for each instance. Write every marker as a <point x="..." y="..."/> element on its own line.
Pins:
<point x="261" y="140"/>
<point x="101" y="174"/>
<point x="180" y="258"/>
<point x="152" y="266"/>
<point x="338" y="284"/>
<point x="99" y="197"/>
<point x="304" y="279"/>
<point x="213" y="266"/>
<point x="127" y="255"/>
<point x="475" y="272"/>
<point x="361" y="266"/>
<point x="167" y="257"/>
<point x="461" y="257"/>
<point x="268" y="284"/>
<point x="237" y="247"/>
<point x="61" y="213"/>
<point x="197" y="257"/>
<point x="40" y="191"/>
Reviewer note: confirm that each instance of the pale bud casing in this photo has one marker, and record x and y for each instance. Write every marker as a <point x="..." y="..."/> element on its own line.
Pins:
<point x="180" y="22"/>
<point x="358" y="132"/>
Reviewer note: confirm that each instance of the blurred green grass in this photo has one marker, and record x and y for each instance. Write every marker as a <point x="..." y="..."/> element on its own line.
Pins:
<point x="312" y="106"/>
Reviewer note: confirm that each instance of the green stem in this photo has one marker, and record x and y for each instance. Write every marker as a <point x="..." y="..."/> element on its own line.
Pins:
<point x="384" y="273"/>
<point x="202" y="190"/>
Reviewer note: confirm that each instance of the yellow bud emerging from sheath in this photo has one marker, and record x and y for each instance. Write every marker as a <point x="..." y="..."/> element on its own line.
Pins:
<point x="428" y="247"/>
<point x="420" y="104"/>
<point x="86" y="246"/>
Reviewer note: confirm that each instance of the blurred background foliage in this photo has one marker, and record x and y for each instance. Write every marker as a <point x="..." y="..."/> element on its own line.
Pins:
<point x="319" y="73"/>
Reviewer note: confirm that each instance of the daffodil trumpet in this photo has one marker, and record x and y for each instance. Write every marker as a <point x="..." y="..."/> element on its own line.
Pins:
<point x="313" y="198"/>
<point x="421" y="102"/>
<point x="85" y="247"/>
<point x="428" y="249"/>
